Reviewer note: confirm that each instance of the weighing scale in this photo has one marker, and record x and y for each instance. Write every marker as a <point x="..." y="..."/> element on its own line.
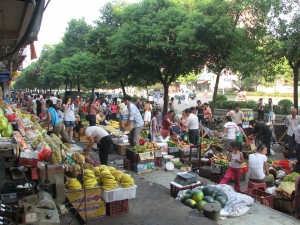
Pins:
<point x="185" y="178"/>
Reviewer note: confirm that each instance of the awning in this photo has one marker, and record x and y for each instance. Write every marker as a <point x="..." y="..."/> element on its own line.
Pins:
<point x="201" y="81"/>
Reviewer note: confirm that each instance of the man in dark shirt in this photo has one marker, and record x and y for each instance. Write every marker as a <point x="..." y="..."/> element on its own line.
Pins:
<point x="199" y="109"/>
<point x="261" y="132"/>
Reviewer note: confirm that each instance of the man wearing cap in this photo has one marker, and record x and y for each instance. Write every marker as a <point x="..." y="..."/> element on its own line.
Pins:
<point x="193" y="125"/>
<point x="137" y="122"/>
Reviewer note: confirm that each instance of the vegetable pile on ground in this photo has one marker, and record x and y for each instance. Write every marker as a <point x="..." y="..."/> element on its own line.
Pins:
<point x="197" y="198"/>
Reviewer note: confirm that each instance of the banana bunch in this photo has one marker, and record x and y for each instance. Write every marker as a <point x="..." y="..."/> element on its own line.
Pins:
<point x="103" y="167"/>
<point x="126" y="181"/>
<point x="114" y="124"/>
<point x="117" y="174"/>
<point x="108" y="180"/>
<point x="111" y="168"/>
<point x="73" y="184"/>
<point x="90" y="180"/>
<point x="97" y="174"/>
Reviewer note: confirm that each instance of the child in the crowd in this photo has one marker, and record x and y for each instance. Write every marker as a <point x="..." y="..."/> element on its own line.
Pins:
<point x="236" y="159"/>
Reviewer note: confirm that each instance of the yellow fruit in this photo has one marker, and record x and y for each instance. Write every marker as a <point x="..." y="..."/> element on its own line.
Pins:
<point x="88" y="171"/>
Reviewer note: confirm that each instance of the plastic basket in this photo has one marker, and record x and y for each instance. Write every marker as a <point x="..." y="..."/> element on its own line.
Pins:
<point x="285" y="164"/>
<point x="283" y="204"/>
<point x="119" y="194"/>
<point x="244" y="170"/>
<point x="128" y="165"/>
<point x="117" y="208"/>
<point x="173" y="149"/>
<point x="261" y="197"/>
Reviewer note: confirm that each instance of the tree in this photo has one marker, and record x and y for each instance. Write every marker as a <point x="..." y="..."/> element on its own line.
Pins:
<point x="228" y="29"/>
<point x="149" y="46"/>
<point x="285" y="28"/>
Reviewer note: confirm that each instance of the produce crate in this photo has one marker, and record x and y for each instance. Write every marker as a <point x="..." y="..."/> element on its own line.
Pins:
<point x="173" y="149"/>
<point x="158" y="161"/>
<point x="117" y="208"/>
<point x="119" y="194"/>
<point x="132" y="156"/>
<point x="144" y="167"/>
<point x="128" y="165"/>
<point x="122" y="148"/>
<point x="283" y="204"/>
<point x="261" y="197"/>
<point x="76" y="197"/>
<point x="92" y="211"/>
<point x="175" y="188"/>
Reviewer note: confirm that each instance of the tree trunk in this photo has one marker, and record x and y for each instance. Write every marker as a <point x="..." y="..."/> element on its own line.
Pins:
<point x="70" y="85"/>
<point x="123" y="87"/>
<point x="296" y="79"/>
<point x="147" y="93"/>
<point x="216" y="88"/>
<point x="66" y="88"/>
<point x="78" y="84"/>
<point x="166" y="98"/>
<point x="93" y="90"/>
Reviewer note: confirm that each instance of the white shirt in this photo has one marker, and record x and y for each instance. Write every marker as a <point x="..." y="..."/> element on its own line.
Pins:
<point x="256" y="166"/>
<point x="69" y="113"/>
<point x="96" y="132"/>
<point x="231" y="129"/>
<point x="237" y="117"/>
<point x="297" y="134"/>
<point x="192" y="122"/>
<point x="292" y="124"/>
<point x="54" y="99"/>
<point x="150" y="98"/>
<point x="135" y="116"/>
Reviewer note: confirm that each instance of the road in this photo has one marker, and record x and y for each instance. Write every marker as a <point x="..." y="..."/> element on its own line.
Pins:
<point x="200" y="96"/>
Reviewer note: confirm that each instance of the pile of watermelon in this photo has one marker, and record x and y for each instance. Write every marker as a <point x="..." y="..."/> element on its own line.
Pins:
<point x="197" y="198"/>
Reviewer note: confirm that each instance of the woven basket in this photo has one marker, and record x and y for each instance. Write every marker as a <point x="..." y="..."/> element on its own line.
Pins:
<point x="283" y="204"/>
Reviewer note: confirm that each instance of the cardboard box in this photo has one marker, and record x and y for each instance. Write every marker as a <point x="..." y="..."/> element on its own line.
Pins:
<point x="144" y="167"/>
<point x="92" y="196"/>
<point x="146" y="156"/>
<point x="92" y="211"/>
<point x="122" y="148"/>
<point x="126" y="125"/>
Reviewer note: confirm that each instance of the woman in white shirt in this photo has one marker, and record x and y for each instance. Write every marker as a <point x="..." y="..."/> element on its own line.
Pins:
<point x="258" y="167"/>
<point x="100" y="136"/>
<point x="69" y="118"/>
<point x="230" y="130"/>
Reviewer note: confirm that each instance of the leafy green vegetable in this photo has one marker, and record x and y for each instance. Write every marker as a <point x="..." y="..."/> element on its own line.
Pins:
<point x="291" y="177"/>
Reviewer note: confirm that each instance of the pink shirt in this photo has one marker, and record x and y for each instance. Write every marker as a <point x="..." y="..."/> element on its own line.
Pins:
<point x="114" y="108"/>
<point x="92" y="109"/>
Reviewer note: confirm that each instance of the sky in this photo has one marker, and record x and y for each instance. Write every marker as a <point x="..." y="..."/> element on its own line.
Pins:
<point x="60" y="12"/>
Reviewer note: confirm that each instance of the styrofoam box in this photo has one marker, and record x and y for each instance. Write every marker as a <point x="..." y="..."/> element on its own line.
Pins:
<point x="119" y="194"/>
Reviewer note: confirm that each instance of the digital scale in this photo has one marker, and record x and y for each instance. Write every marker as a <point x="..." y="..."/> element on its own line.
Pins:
<point x="186" y="178"/>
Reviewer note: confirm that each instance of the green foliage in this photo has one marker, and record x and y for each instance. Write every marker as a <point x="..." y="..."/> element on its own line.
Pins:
<point x="221" y="97"/>
<point x="285" y="105"/>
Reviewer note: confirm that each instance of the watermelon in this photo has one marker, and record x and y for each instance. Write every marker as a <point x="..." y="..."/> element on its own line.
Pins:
<point x="197" y="195"/>
<point x="208" y="190"/>
<point x="208" y="199"/>
<point x="200" y="205"/>
<point x="185" y="197"/>
<point x="221" y="193"/>
<point x="190" y="203"/>
<point x="222" y="200"/>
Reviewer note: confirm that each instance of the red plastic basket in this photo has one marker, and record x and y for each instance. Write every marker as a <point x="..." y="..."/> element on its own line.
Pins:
<point x="244" y="170"/>
<point x="284" y="163"/>
<point x="261" y="197"/>
<point x="117" y="208"/>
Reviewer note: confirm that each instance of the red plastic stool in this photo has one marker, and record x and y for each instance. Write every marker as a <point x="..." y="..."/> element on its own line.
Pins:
<point x="261" y="186"/>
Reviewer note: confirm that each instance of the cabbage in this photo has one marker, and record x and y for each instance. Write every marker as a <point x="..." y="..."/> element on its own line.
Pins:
<point x="3" y="122"/>
<point x="287" y="187"/>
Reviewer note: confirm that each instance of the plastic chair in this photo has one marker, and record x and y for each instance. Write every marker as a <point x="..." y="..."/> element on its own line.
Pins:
<point x="261" y="186"/>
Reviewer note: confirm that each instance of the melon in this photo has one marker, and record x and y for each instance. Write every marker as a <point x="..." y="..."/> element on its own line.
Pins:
<point x="222" y="200"/>
<point x="200" y="205"/>
<point x="190" y="203"/>
<point x="208" y="199"/>
<point x="197" y="195"/>
<point x="185" y="197"/>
